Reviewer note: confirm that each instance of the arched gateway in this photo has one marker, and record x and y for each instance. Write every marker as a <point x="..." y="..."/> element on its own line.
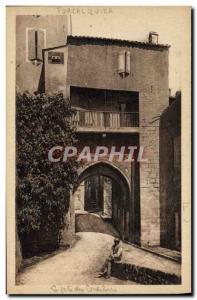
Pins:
<point x="121" y="195"/>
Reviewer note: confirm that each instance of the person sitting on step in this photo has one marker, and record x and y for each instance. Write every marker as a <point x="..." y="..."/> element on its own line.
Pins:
<point x="115" y="255"/>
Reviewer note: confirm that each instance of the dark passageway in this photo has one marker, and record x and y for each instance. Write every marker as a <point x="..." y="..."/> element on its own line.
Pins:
<point x="103" y="201"/>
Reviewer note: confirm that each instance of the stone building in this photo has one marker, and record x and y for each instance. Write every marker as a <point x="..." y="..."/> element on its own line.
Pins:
<point x="119" y="89"/>
<point x="170" y="174"/>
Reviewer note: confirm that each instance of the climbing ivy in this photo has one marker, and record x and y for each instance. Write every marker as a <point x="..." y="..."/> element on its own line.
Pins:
<point x="42" y="187"/>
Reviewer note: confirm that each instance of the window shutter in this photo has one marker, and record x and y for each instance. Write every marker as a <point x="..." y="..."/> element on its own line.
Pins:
<point x="121" y="62"/>
<point x="40" y="44"/>
<point x="128" y="62"/>
<point x="31" y="44"/>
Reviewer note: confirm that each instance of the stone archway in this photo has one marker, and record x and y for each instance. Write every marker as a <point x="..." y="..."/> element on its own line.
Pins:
<point x="121" y="206"/>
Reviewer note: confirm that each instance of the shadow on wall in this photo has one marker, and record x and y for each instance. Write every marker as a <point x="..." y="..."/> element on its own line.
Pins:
<point x="41" y="84"/>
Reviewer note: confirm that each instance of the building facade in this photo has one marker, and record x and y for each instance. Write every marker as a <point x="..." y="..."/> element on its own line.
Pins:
<point x="33" y="34"/>
<point x="119" y="90"/>
<point x="170" y="174"/>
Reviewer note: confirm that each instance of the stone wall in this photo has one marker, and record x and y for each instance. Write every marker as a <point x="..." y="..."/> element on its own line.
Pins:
<point x="56" y="74"/>
<point x="170" y="179"/>
<point x="149" y="187"/>
<point x="152" y="103"/>
<point x="78" y="197"/>
<point x="143" y="275"/>
<point x="107" y="198"/>
<point x="68" y="233"/>
<point x="18" y="255"/>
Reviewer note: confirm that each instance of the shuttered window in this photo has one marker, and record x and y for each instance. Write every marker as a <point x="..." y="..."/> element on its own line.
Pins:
<point x="124" y="63"/>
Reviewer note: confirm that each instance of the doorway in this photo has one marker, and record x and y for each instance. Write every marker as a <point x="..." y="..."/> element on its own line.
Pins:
<point x="106" y="193"/>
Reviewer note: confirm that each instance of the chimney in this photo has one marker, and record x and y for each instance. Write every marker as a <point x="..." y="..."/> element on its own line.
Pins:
<point x="153" y="37"/>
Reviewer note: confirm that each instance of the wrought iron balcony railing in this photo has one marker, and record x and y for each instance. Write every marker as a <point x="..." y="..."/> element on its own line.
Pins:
<point x="109" y="119"/>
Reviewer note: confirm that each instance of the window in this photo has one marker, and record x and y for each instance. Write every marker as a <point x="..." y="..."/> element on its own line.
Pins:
<point x="36" y="42"/>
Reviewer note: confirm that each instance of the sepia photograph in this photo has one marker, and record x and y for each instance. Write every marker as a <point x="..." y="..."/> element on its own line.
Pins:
<point x="98" y="148"/>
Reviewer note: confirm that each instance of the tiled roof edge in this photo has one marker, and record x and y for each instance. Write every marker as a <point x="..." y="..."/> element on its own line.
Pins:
<point x="76" y="40"/>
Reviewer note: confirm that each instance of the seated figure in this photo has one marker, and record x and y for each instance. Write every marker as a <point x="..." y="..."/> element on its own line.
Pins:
<point x="115" y="255"/>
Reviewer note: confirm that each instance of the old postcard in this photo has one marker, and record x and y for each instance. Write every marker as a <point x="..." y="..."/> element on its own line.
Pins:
<point x="98" y="150"/>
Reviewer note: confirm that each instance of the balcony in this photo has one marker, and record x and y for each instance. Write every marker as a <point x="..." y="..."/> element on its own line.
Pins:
<point x="105" y="121"/>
